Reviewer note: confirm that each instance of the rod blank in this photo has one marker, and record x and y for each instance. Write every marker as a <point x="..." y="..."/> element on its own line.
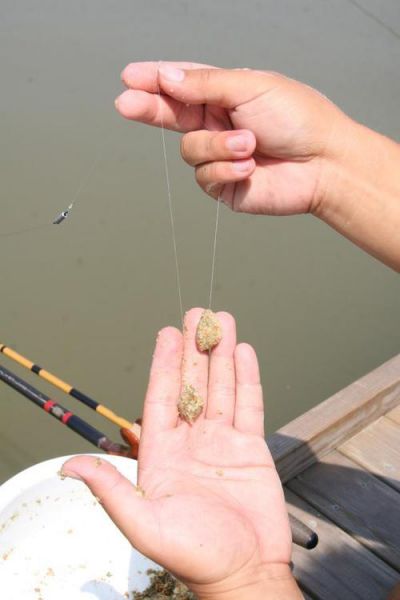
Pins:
<point x="66" y="417"/>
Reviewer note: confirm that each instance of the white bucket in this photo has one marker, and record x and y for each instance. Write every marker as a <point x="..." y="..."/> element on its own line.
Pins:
<point x="57" y="543"/>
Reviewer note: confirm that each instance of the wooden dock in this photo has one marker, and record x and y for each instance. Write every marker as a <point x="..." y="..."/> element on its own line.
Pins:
<point x="340" y="463"/>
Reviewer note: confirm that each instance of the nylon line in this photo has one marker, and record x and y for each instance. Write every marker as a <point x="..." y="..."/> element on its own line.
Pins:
<point x="169" y="196"/>
<point x="214" y="251"/>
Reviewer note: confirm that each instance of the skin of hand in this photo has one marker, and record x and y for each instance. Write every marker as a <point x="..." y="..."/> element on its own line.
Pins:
<point x="213" y="511"/>
<point x="266" y="144"/>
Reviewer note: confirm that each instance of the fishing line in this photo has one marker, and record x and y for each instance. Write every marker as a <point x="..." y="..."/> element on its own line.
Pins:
<point x="374" y="17"/>
<point x="169" y="197"/>
<point x="65" y="213"/>
<point x="214" y="252"/>
<point x="171" y="213"/>
<point x="83" y="182"/>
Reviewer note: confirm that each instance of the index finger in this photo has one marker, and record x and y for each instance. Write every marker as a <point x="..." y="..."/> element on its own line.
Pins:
<point x="225" y="88"/>
<point x="146" y="103"/>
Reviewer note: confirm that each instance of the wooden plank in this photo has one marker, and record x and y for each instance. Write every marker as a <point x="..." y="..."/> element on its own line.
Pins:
<point x="300" y="443"/>
<point x="377" y="449"/>
<point x="394" y="414"/>
<point x="356" y="501"/>
<point x="339" y="567"/>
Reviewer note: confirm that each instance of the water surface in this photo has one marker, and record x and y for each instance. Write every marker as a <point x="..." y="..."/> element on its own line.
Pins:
<point x="86" y="299"/>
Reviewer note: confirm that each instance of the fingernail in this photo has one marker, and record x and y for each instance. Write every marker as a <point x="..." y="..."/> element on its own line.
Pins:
<point x="238" y="143"/>
<point x="243" y="165"/>
<point x="171" y="73"/>
<point x="64" y="473"/>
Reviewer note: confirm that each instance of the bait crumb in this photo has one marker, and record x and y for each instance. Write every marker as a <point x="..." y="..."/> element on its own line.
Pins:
<point x="209" y="332"/>
<point x="61" y="474"/>
<point x="98" y="462"/>
<point x="140" y="491"/>
<point x="219" y="472"/>
<point x="50" y="572"/>
<point x="190" y="404"/>
<point x="163" y="586"/>
<point x="97" y="500"/>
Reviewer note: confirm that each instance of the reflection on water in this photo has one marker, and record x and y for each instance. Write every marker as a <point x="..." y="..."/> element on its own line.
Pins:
<point x="86" y="299"/>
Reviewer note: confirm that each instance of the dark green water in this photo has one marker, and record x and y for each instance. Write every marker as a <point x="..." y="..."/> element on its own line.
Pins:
<point x="86" y="299"/>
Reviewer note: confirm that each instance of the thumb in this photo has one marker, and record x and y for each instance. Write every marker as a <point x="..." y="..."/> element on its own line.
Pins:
<point x="221" y="87"/>
<point x="122" y="500"/>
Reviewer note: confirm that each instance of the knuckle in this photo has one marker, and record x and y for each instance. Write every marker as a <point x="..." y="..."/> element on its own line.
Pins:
<point x="209" y="145"/>
<point x="217" y="145"/>
<point x="205" y="76"/>
<point x="206" y="82"/>
<point x="222" y="389"/>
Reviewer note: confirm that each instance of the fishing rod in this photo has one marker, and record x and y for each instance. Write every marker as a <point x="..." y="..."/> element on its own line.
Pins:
<point x="66" y="387"/>
<point x="66" y="417"/>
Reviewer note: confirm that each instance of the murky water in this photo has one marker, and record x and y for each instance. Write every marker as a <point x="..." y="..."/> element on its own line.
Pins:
<point x="86" y="299"/>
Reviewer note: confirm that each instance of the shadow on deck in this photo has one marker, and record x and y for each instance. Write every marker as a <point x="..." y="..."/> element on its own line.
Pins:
<point x="340" y="464"/>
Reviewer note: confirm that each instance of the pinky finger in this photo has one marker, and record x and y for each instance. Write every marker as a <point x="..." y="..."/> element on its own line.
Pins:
<point x="213" y="176"/>
<point x="249" y="408"/>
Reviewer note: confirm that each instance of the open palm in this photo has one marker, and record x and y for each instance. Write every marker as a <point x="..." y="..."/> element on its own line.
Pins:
<point x="209" y="506"/>
<point x="287" y="123"/>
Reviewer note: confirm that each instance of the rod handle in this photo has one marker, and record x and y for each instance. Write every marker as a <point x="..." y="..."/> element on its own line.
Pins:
<point x="302" y="534"/>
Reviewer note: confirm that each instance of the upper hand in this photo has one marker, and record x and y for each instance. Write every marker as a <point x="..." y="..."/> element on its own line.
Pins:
<point x="258" y="140"/>
<point x="213" y="512"/>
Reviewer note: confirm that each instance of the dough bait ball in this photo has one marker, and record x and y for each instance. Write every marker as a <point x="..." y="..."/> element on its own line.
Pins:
<point x="209" y="332"/>
<point x="190" y="404"/>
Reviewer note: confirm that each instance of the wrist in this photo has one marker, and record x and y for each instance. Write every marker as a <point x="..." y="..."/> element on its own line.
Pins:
<point x="359" y="191"/>
<point x="271" y="582"/>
